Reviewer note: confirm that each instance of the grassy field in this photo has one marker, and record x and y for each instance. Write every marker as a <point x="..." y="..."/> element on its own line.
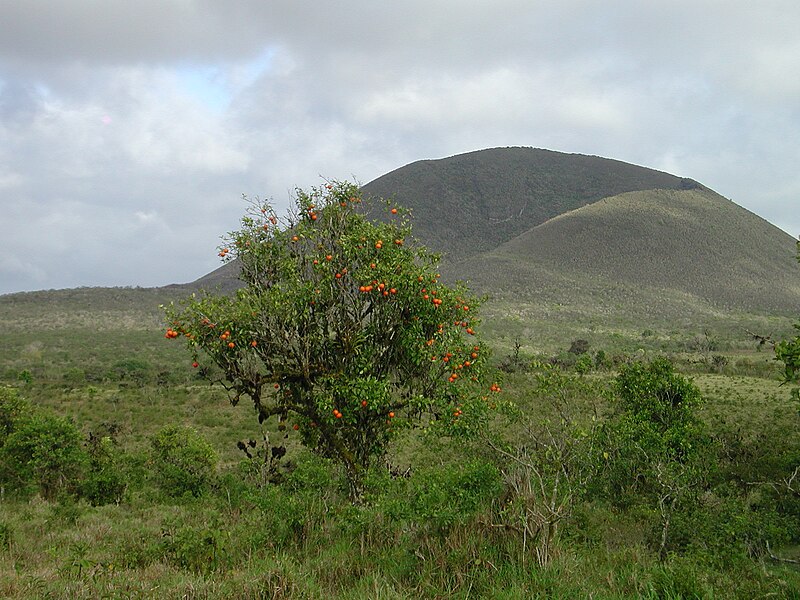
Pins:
<point x="439" y="521"/>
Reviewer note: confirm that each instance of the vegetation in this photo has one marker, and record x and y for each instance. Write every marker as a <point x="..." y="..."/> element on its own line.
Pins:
<point x="788" y="352"/>
<point x="523" y="512"/>
<point x="341" y="329"/>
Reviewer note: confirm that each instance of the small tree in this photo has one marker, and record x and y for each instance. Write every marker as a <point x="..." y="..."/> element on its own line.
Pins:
<point x="342" y="327"/>
<point x="656" y="449"/>
<point x="39" y="451"/>
<point x="184" y="463"/>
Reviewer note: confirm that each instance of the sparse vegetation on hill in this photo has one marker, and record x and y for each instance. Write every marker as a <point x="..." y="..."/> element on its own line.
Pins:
<point x="559" y="234"/>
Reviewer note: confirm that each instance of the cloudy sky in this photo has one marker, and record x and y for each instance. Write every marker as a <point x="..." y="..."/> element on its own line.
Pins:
<point x="130" y="130"/>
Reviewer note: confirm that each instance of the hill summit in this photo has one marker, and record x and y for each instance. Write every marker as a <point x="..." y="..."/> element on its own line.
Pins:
<point x="471" y="203"/>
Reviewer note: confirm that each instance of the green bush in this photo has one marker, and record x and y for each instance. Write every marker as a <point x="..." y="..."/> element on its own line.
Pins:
<point x="75" y="376"/>
<point x="655" y="452"/>
<point x="132" y="369"/>
<point x="196" y="548"/>
<point x="183" y="462"/>
<point x="43" y="453"/>
<point x="583" y="364"/>
<point x="12" y="409"/>
<point x="105" y="481"/>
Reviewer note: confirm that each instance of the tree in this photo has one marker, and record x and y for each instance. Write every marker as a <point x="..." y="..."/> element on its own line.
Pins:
<point x="656" y="448"/>
<point x="342" y="327"/>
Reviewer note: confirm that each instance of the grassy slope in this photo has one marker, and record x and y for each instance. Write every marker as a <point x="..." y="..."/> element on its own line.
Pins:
<point x="675" y="261"/>
<point x="693" y="242"/>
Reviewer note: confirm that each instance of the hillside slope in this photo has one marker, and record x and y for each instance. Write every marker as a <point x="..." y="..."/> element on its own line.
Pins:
<point x="657" y="249"/>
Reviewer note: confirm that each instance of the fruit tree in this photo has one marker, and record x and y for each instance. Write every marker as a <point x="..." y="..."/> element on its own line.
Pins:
<point x="342" y="328"/>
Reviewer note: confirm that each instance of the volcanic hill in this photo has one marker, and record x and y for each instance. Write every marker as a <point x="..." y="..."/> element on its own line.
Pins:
<point x="547" y="228"/>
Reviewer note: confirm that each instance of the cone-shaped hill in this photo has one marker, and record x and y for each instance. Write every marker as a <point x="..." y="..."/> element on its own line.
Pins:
<point x="552" y="229"/>
<point x="474" y="202"/>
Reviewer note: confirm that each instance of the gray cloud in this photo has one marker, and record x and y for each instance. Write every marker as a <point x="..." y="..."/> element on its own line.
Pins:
<point x="129" y="130"/>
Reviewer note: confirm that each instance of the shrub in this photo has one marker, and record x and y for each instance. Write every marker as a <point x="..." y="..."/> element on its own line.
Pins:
<point x="105" y="481"/>
<point x="584" y="364"/>
<point x="655" y="451"/>
<point x="12" y="409"/>
<point x="43" y="453"/>
<point x="196" y="548"/>
<point x="183" y="462"/>
<point x="132" y="369"/>
<point x="579" y="346"/>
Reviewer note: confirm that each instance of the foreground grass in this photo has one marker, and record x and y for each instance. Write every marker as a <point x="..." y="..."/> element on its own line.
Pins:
<point x="438" y="533"/>
<point x="237" y="543"/>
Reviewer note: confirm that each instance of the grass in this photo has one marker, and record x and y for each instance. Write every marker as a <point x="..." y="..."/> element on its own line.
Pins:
<point x="302" y="539"/>
<point x="158" y="551"/>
